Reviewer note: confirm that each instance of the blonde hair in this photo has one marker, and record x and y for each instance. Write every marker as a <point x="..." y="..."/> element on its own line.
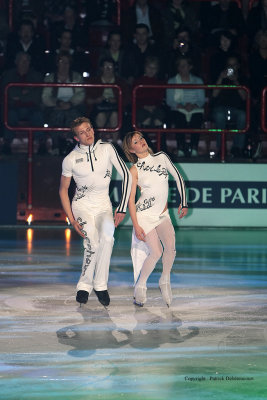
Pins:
<point x="77" y="122"/>
<point x="127" y="145"/>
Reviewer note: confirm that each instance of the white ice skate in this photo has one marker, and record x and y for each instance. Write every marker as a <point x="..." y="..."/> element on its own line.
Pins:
<point x="140" y="295"/>
<point x="166" y="291"/>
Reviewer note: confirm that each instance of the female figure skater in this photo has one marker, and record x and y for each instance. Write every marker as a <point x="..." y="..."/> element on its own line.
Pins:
<point x="153" y="233"/>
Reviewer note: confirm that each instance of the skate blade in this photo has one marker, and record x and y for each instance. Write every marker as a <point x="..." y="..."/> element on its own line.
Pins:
<point x="138" y="304"/>
<point x="82" y="305"/>
<point x="167" y="304"/>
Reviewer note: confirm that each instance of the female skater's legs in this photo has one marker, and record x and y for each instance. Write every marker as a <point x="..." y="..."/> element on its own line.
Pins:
<point x="155" y="251"/>
<point x="167" y="236"/>
<point x="162" y="233"/>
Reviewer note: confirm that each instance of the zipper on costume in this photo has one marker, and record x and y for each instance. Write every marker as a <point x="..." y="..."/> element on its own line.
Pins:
<point x="91" y="161"/>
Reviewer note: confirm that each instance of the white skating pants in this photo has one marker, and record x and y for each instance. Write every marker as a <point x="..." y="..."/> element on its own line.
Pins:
<point x="98" y="244"/>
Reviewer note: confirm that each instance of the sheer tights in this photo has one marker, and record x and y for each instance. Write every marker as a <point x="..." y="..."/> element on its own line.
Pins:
<point x="161" y="239"/>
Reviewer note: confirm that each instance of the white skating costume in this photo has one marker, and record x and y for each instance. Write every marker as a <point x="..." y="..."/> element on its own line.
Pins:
<point x="91" y="169"/>
<point x="153" y="174"/>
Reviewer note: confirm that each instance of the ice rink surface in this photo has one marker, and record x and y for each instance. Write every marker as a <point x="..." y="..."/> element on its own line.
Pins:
<point x="210" y="344"/>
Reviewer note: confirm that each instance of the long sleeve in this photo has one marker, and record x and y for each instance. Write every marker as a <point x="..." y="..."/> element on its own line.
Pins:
<point x="178" y="179"/>
<point x="124" y="172"/>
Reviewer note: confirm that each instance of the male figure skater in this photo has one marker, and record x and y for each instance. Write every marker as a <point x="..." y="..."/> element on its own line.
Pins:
<point x="90" y="164"/>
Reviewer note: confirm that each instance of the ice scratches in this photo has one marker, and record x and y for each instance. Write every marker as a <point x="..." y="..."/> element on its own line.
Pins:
<point x="119" y="336"/>
<point x="20" y="303"/>
<point x="243" y="337"/>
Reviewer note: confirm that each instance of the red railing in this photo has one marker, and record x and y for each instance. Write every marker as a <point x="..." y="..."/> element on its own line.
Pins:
<point x="263" y="110"/>
<point x="31" y="129"/>
<point x="223" y="132"/>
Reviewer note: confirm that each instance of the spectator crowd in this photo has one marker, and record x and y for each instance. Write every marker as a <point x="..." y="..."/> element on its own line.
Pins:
<point x="116" y="46"/>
